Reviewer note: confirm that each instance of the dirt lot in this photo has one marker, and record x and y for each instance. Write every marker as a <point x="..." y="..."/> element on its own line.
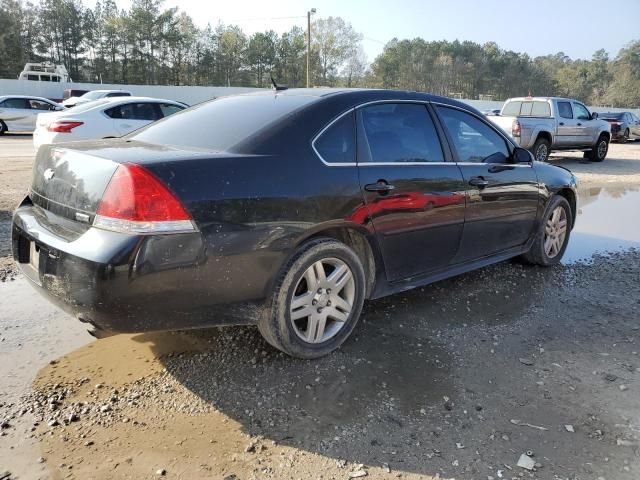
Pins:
<point x="454" y="380"/>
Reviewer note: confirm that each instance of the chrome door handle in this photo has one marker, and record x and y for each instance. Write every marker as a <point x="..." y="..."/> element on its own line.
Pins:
<point x="380" y="187"/>
<point x="479" y="182"/>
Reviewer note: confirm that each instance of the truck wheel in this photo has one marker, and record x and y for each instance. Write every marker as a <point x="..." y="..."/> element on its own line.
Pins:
<point x="599" y="151"/>
<point x="317" y="300"/>
<point x="541" y="149"/>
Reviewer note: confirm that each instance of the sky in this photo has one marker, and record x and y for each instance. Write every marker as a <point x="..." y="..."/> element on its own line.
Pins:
<point x="538" y="27"/>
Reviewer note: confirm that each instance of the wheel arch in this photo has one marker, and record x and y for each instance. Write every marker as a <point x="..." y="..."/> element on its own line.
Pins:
<point x="570" y="196"/>
<point x="546" y="135"/>
<point x="360" y="241"/>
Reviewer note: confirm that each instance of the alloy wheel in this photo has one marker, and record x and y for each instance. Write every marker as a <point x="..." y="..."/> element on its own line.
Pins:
<point x="322" y="300"/>
<point x="602" y="149"/>
<point x="541" y="153"/>
<point x="555" y="232"/>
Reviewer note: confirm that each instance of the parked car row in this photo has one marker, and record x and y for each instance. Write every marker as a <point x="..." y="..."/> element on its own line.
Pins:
<point x="106" y="118"/>
<point x="102" y="114"/>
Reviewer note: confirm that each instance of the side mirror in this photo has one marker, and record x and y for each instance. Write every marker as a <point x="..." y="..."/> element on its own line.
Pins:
<point x="594" y="115"/>
<point x="521" y="155"/>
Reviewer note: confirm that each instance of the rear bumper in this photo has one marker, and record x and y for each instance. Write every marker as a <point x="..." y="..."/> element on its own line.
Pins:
<point x="125" y="283"/>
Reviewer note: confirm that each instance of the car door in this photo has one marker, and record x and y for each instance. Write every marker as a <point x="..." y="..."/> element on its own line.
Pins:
<point x="586" y="128"/>
<point x="38" y="106"/>
<point x="128" y="117"/>
<point x="566" y="130"/>
<point x="502" y="197"/>
<point x="16" y="114"/>
<point x="414" y="198"/>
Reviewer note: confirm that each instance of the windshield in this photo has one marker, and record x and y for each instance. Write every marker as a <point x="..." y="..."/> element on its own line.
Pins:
<point x="93" y="95"/>
<point x="222" y="123"/>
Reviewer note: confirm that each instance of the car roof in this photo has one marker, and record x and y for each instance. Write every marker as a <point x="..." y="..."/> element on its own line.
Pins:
<point x="112" y="100"/>
<point x="32" y="97"/>
<point x="109" y="91"/>
<point x="363" y="95"/>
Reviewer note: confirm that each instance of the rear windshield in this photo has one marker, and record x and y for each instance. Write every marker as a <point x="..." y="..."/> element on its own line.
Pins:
<point x="83" y="107"/>
<point x="222" y="123"/>
<point x="527" y="108"/>
<point x="612" y="116"/>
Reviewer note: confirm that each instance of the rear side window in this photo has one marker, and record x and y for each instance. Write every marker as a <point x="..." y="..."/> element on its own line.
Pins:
<point x="118" y="94"/>
<point x="337" y="144"/>
<point x="473" y="140"/>
<point x="564" y="110"/>
<point x="15" y="103"/>
<point x="398" y="133"/>
<point x="134" y="111"/>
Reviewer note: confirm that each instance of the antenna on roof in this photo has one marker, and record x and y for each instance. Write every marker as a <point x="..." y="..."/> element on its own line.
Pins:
<point x="277" y="87"/>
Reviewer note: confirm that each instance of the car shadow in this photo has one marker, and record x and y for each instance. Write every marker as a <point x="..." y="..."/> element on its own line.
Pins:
<point x="394" y="383"/>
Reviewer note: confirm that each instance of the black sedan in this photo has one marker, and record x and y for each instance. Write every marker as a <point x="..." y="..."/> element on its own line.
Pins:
<point x="625" y="126"/>
<point x="283" y="209"/>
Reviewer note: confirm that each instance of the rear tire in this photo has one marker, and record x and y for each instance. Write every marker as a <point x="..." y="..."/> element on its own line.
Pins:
<point x="553" y="234"/>
<point x="312" y="311"/>
<point x="3" y="127"/>
<point x="599" y="151"/>
<point x="541" y="149"/>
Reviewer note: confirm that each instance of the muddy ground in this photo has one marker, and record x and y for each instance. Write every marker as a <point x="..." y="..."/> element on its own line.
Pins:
<point x="453" y="380"/>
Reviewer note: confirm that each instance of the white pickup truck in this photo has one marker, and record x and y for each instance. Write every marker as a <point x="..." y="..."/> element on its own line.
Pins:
<point x="544" y="124"/>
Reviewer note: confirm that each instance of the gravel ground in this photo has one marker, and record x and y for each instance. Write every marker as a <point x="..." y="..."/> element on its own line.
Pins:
<point x="454" y="380"/>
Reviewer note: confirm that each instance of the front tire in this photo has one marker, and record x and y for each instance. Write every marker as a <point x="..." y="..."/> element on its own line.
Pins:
<point x="3" y="127"/>
<point x="625" y="136"/>
<point x="599" y="151"/>
<point x="317" y="300"/>
<point x="541" y="149"/>
<point x="553" y="233"/>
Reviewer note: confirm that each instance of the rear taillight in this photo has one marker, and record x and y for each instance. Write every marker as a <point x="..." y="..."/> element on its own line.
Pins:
<point x="515" y="128"/>
<point x="136" y="201"/>
<point x="63" y="126"/>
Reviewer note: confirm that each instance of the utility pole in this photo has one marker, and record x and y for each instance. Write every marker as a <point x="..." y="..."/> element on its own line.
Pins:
<point x="309" y="13"/>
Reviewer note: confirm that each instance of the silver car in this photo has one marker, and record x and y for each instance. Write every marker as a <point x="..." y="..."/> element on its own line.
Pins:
<point x="18" y="112"/>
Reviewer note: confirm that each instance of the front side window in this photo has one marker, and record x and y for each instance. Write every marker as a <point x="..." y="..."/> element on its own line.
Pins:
<point x="169" y="109"/>
<point x="564" y="110"/>
<point x="398" y="133"/>
<point x="473" y="140"/>
<point x="40" y="105"/>
<point x="581" y="112"/>
<point x="337" y="144"/>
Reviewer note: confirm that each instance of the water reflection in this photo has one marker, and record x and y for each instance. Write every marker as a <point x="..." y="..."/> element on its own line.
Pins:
<point x="608" y="221"/>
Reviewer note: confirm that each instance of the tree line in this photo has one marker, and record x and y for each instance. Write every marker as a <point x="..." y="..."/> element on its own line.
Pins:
<point x="150" y="44"/>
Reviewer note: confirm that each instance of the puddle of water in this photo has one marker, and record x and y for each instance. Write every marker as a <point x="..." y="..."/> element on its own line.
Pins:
<point x="608" y="221"/>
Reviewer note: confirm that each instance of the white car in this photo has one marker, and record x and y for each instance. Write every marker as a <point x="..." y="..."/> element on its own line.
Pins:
<point x="18" y="113"/>
<point x="106" y="118"/>
<point x="94" y="95"/>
